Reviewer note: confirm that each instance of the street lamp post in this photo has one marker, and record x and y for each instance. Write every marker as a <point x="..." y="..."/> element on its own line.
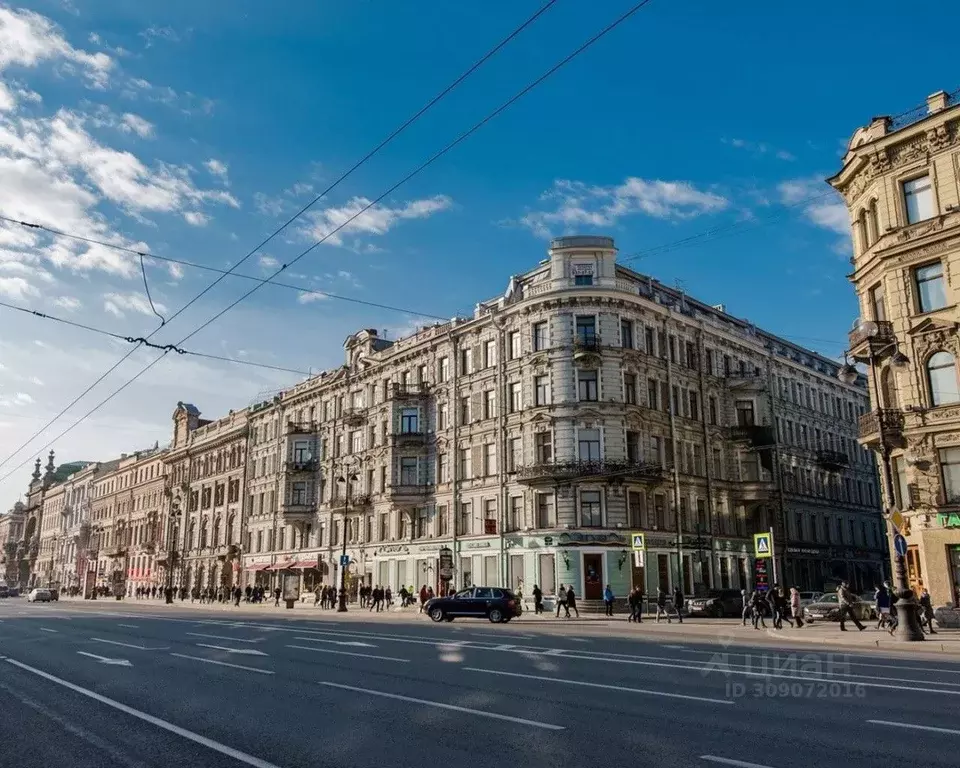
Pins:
<point x="346" y="481"/>
<point x="98" y="530"/>
<point x="908" y="618"/>
<point x="175" y="513"/>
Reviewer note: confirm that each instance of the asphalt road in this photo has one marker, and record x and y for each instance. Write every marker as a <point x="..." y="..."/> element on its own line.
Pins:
<point x="136" y="685"/>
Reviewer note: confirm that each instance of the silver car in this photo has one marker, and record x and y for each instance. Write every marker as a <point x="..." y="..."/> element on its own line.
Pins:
<point x="39" y="596"/>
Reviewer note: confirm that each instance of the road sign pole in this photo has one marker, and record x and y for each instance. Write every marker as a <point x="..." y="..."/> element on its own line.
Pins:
<point x="773" y="556"/>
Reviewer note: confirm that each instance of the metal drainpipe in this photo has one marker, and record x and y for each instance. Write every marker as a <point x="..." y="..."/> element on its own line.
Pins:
<point x="502" y="429"/>
<point x="781" y="513"/>
<point x="454" y="407"/>
<point x="701" y="354"/>
<point x="676" y="455"/>
<point x="243" y="499"/>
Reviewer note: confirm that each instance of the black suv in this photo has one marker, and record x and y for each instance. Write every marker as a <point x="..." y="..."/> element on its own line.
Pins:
<point x="493" y="603"/>
<point x="717" y="603"/>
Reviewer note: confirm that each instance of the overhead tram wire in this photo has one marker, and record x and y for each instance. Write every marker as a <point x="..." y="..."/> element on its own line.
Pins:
<point x="423" y="166"/>
<point x="142" y="342"/>
<point x="423" y="110"/>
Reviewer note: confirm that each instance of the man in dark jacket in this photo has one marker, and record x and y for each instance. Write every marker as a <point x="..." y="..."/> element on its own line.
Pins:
<point x="845" y="599"/>
<point x="678" y="603"/>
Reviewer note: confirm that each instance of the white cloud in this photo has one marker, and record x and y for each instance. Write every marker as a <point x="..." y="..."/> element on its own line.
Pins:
<point x="7" y="102"/>
<point x="575" y="204"/>
<point x="119" y="304"/>
<point x="136" y="124"/>
<point x="166" y="34"/>
<point x="17" y="399"/>
<point x="759" y="148"/>
<point x="821" y="206"/>
<point x="378" y="220"/>
<point x="268" y="206"/>
<point x="69" y="303"/>
<point x="17" y="288"/>
<point x="196" y="218"/>
<point x="175" y="270"/>
<point x="217" y="168"/>
<point x="27" y="39"/>
<point x="268" y="262"/>
<point x="308" y="297"/>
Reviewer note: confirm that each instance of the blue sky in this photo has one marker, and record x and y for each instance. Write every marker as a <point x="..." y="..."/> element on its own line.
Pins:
<point x="193" y="129"/>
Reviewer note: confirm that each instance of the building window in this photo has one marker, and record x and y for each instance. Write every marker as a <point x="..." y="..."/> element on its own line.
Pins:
<point x="543" y="443"/>
<point x="877" y="304"/>
<point x="588" y="445"/>
<point x="587" y="329"/>
<point x="659" y="512"/>
<point x="443" y="468"/>
<point x="516" y="454"/>
<point x="443" y="372"/>
<point x="515" y="515"/>
<point x="590" y="513"/>
<point x="421" y="525"/>
<point x="442" y="416"/>
<point x="441" y="520"/>
<point x="633" y="448"/>
<point x="540" y="338"/>
<point x="490" y="459"/>
<point x="930" y="291"/>
<point x="626" y="334"/>
<point x="515" y="402"/>
<point x="514" y="344"/>
<point x="465" y="520"/>
<point x="464" y="410"/>
<point x="541" y="390"/>
<point x="745" y="413"/>
<point x="942" y="378"/>
<point x="583" y="279"/>
<point x="714" y="415"/>
<point x="546" y="516"/>
<point x="900" y="482"/>
<point x="465" y="464"/>
<point x="629" y="389"/>
<point x="409" y="470"/>
<point x="587" y="386"/>
<point x="489" y="354"/>
<point x="693" y="404"/>
<point x="466" y="361"/>
<point x="918" y="199"/>
<point x="298" y="494"/>
<point x="653" y="394"/>
<point x="409" y="421"/>
<point x="950" y="472"/>
<point x="489" y="404"/>
<point x="490" y="516"/>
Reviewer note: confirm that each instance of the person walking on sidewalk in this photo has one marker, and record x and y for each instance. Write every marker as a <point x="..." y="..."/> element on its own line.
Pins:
<point x="635" y="601"/>
<point x="845" y="599"/>
<point x="926" y="611"/>
<point x="608" y="600"/>
<point x="571" y="601"/>
<point x="757" y="607"/>
<point x="537" y="600"/>
<point x="882" y="597"/>
<point x="562" y="602"/>
<point x="662" y="605"/>
<point x="747" y="610"/>
<point x="678" y="603"/>
<point x="795" y="608"/>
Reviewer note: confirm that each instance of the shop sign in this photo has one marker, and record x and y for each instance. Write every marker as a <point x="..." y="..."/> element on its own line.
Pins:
<point x="591" y="538"/>
<point x="948" y="520"/>
<point x="761" y="577"/>
<point x="291" y="586"/>
<point x="811" y="551"/>
<point x="427" y="549"/>
<point x="731" y="545"/>
<point x="446" y="564"/>
<point x="548" y="541"/>
<point x="661" y="542"/>
<point x="394" y="549"/>
<point x="478" y="545"/>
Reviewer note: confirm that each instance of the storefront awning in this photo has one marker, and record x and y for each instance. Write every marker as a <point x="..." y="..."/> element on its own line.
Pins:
<point x="280" y="566"/>
<point x="304" y="564"/>
<point x="258" y="567"/>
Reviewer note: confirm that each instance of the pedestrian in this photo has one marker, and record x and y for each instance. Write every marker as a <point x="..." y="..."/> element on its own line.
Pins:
<point x="237" y="595"/>
<point x="423" y="597"/>
<point x="608" y="600"/>
<point x="747" y="610"/>
<point x="845" y="599"/>
<point x="757" y="607"/>
<point x="795" y="608"/>
<point x="276" y="597"/>
<point x="926" y="610"/>
<point x="537" y="600"/>
<point x="571" y="601"/>
<point x="662" y="605"/>
<point x="678" y="603"/>
<point x="882" y="599"/>
<point x="388" y="598"/>
<point x="894" y="618"/>
<point x="782" y="605"/>
<point x="562" y="601"/>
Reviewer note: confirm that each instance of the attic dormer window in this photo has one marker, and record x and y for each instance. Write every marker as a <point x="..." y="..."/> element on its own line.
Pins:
<point x="582" y="274"/>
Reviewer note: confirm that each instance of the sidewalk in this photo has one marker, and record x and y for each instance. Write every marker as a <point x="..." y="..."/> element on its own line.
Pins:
<point x="825" y="635"/>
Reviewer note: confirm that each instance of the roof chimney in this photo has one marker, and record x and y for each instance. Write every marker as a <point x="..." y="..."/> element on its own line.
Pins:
<point x="937" y="102"/>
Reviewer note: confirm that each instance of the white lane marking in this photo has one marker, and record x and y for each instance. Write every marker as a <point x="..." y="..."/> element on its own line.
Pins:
<point x="243" y="651"/>
<point x="675" y="647"/>
<point x="106" y="660"/>
<point x="347" y="653"/>
<point x="222" y="663"/>
<point x="128" y="626"/>
<point x="336" y="642"/>
<point x="564" y="681"/>
<point x="44" y="629"/>
<point x="577" y="640"/>
<point x="912" y="726"/>
<point x="451" y="707"/>
<point x="224" y="637"/>
<point x="728" y="761"/>
<point x="128" y="645"/>
<point x="196" y="738"/>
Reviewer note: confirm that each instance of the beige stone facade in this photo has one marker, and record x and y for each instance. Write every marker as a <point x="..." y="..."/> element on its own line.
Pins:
<point x="901" y="182"/>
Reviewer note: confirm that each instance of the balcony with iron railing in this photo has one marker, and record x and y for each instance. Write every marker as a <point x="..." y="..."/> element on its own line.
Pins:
<point x="752" y="379"/>
<point x="586" y="344"/>
<point x="568" y="471"/>
<point x="883" y="426"/>
<point x="832" y="460"/>
<point x="409" y="493"/>
<point x="869" y="339"/>
<point x="298" y="509"/>
<point x="300" y="428"/>
<point x="357" y="502"/>
<point x="752" y="435"/>
<point x="354" y="417"/>
<point x="412" y="391"/>
<point x="302" y="465"/>
<point x="409" y="439"/>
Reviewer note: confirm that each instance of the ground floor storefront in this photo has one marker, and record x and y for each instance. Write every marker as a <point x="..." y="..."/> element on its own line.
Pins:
<point x="933" y="559"/>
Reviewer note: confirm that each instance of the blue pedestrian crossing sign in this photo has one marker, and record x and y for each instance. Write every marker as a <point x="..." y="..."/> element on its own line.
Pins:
<point x="762" y="545"/>
<point x="900" y="545"/>
<point x="639" y="542"/>
<point x="344" y="560"/>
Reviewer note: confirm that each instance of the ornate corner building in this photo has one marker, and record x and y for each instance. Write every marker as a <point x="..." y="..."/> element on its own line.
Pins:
<point x="900" y="180"/>
<point x="520" y="446"/>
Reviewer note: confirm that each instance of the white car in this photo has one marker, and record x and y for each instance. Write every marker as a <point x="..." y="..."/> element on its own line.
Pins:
<point x="39" y="596"/>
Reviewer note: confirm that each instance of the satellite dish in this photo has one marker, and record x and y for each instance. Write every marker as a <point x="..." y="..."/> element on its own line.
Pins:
<point x="308" y="456"/>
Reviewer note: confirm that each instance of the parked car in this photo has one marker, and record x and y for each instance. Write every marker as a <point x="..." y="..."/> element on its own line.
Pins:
<point x="4" y="590"/>
<point x="13" y="591"/>
<point x="493" y="603"/>
<point x="827" y="608"/>
<point x="39" y="596"/>
<point x="717" y="603"/>
<point x="809" y="598"/>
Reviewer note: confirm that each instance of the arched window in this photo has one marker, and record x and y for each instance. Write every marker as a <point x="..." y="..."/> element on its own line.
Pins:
<point x="888" y="388"/>
<point x="942" y="378"/>
<point x="873" y="222"/>
<point x="862" y="231"/>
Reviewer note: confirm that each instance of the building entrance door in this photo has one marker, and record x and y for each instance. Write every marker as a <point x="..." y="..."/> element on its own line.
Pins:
<point x="593" y="577"/>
